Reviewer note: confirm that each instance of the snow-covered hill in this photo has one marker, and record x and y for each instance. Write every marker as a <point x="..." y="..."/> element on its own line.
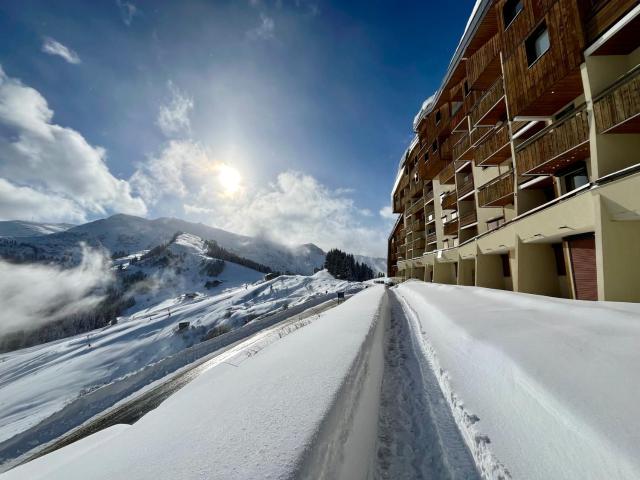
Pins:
<point x="129" y="234"/>
<point x="20" y="228"/>
<point x="39" y="381"/>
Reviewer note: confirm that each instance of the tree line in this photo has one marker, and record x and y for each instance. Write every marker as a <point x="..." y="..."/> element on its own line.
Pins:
<point x="343" y="266"/>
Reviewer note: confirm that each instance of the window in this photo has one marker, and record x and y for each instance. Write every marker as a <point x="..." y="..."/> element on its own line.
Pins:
<point x="510" y="11"/>
<point x="438" y="117"/>
<point x="434" y="146"/>
<point x="495" y="223"/>
<point x="537" y="43"/>
<point x="576" y="178"/>
<point x="466" y="88"/>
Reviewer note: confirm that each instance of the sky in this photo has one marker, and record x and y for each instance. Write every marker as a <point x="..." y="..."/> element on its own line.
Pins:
<point x="263" y="117"/>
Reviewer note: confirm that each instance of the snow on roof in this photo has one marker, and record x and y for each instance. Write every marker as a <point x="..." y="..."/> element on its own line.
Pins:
<point x="477" y="13"/>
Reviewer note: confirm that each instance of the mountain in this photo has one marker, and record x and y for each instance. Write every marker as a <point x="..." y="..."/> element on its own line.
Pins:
<point x="126" y="234"/>
<point x="377" y="264"/>
<point x="20" y="228"/>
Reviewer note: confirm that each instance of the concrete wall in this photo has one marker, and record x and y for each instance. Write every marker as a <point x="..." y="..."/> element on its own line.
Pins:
<point x="444" y="273"/>
<point x="466" y="272"/>
<point x="537" y="271"/>
<point x="617" y="255"/>
<point x="489" y="271"/>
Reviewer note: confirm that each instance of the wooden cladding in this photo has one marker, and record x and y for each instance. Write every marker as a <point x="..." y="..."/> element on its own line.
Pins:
<point x="451" y="228"/>
<point x="495" y="149"/>
<point x="603" y="14"/>
<point x="582" y="252"/>
<point x="491" y="108"/>
<point x="432" y="238"/>
<point x="468" y="218"/>
<point x="448" y="174"/>
<point x="617" y="109"/>
<point x="553" y="80"/>
<point x="428" y="195"/>
<point x="483" y="67"/>
<point x="497" y="192"/>
<point x="465" y="187"/>
<point x="450" y="201"/>
<point x="555" y="147"/>
<point x="462" y="150"/>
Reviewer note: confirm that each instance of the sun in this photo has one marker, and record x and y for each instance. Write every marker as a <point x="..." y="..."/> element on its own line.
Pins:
<point x="229" y="179"/>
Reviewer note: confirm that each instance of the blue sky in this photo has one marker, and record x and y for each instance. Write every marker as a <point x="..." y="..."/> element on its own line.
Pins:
<point x="279" y="118"/>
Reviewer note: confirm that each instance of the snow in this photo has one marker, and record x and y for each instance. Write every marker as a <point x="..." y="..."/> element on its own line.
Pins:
<point x="264" y="417"/>
<point x="19" y="228"/>
<point x="542" y="387"/>
<point x="39" y="381"/>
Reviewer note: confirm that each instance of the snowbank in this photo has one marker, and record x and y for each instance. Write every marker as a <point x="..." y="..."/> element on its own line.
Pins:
<point x="259" y="418"/>
<point x="547" y="387"/>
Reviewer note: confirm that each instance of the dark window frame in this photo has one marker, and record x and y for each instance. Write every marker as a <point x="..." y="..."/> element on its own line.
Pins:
<point x="511" y="4"/>
<point x="530" y="44"/>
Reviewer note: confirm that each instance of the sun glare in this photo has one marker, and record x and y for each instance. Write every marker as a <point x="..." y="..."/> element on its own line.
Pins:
<point x="229" y="179"/>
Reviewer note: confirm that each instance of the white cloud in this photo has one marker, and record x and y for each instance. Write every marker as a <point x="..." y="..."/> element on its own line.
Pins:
<point x="53" y="164"/>
<point x="34" y="294"/>
<point x="265" y="30"/>
<point x="53" y="47"/>
<point x="173" y="118"/>
<point x="127" y="11"/>
<point x="387" y="212"/>
<point x="295" y="209"/>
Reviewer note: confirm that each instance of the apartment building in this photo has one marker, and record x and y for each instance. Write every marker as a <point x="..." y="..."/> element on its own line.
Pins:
<point x="524" y="173"/>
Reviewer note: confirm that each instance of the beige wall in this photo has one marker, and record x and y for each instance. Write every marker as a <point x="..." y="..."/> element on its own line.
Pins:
<point x="489" y="271"/>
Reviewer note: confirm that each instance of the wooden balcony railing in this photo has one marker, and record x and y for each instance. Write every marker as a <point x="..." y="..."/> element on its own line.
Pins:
<point x="495" y="149"/>
<point x="498" y="192"/>
<point x="603" y="14"/>
<point x="483" y="67"/>
<point x="451" y="228"/>
<point x="444" y="149"/>
<point x="457" y="118"/>
<point x="448" y="174"/>
<point x="428" y="195"/>
<point x="478" y="134"/>
<point x="431" y="238"/>
<point x="491" y="108"/>
<point x="471" y="99"/>
<point x="556" y="146"/>
<point x="415" y="188"/>
<point x="450" y="201"/>
<point x="465" y="187"/>
<point x="468" y="218"/>
<point x="617" y="109"/>
<point x="415" y="206"/>
<point x="462" y="150"/>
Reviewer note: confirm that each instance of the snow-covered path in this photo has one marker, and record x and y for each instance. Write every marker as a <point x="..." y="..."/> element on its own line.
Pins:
<point x="417" y="435"/>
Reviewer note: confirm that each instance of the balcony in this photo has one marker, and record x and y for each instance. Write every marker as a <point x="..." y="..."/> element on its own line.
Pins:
<point x="555" y="147"/>
<point x="617" y="109"/>
<point x="448" y="174"/>
<point x="491" y="108"/>
<point x="428" y="195"/>
<point x="451" y="228"/>
<point x="463" y="150"/>
<point x="468" y="219"/>
<point x="436" y="160"/>
<point x="478" y="134"/>
<point x="483" y="67"/>
<point x="415" y="206"/>
<point x="450" y="201"/>
<point x="605" y="13"/>
<point x="465" y="187"/>
<point x="459" y="121"/>
<point x="498" y="192"/>
<point x="415" y="188"/>
<point x="495" y="149"/>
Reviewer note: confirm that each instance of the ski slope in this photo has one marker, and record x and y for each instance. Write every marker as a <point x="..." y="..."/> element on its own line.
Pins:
<point x="37" y="382"/>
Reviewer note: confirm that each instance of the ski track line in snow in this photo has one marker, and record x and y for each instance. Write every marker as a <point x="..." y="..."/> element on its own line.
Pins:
<point x="478" y="444"/>
<point x="418" y="436"/>
<point x="22" y="444"/>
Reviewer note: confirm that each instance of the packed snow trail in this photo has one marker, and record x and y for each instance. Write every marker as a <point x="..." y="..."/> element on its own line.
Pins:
<point x="417" y="435"/>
